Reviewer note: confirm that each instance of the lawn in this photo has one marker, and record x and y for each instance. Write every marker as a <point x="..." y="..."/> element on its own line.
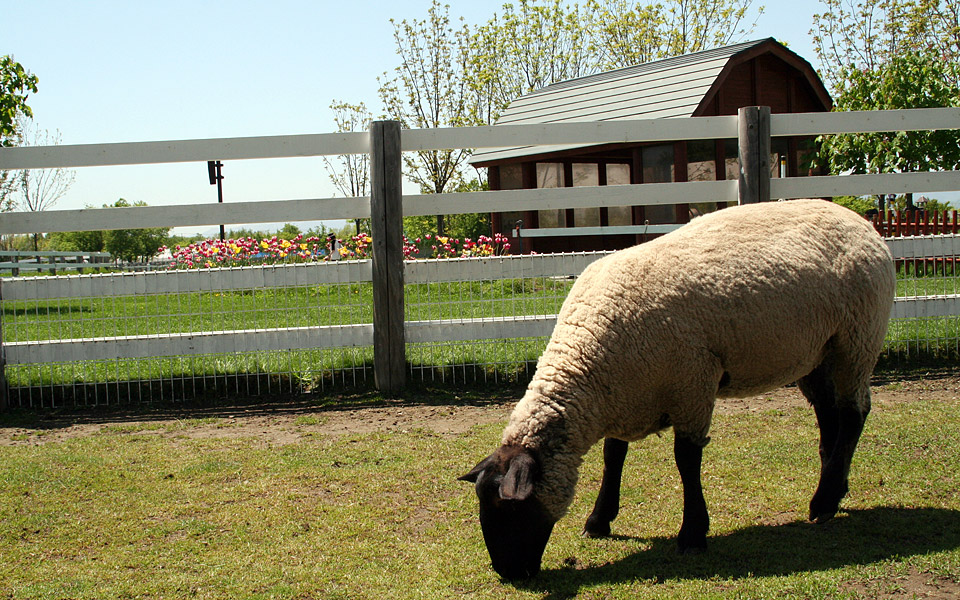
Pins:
<point x="212" y="505"/>
<point x="317" y="305"/>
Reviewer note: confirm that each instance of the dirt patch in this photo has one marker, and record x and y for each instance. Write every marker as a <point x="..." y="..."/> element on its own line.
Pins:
<point x="274" y="428"/>
<point x="915" y="585"/>
<point x="280" y="424"/>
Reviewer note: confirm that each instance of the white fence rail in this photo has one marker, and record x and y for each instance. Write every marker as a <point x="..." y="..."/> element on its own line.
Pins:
<point x="184" y="281"/>
<point x="32" y="296"/>
<point x="650" y="130"/>
<point x="348" y="335"/>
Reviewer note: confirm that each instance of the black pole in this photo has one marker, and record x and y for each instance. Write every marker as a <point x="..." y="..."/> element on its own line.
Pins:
<point x="216" y="176"/>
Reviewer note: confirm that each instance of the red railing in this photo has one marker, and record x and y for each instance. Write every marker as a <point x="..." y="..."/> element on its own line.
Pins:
<point x="916" y="222"/>
<point x="920" y="222"/>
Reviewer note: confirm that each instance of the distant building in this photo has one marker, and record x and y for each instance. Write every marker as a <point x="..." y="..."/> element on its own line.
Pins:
<point x="708" y="83"/>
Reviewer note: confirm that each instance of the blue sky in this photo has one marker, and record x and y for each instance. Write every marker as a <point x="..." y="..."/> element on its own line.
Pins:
<point x="117" y="71"/>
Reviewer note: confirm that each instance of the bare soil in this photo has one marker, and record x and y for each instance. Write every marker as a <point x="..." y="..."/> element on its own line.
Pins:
<point x="287" y="423"/>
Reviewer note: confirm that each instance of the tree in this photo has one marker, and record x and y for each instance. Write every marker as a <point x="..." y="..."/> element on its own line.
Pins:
<point x="627" y="33"/>
<point x="868" y="34"/>
<point x="351" y="173"/>
<point x="288" y="231"/>
<point x="538" y="43"/>
<point x="429" y="90"/>
<point x="471" y="225"/>
<point x="541" y="42"/>
<point x="8" y="186"/>
<point x="76" y="241"/>
<point x="861" y="205"/>
<point x="36" y="190"/>
<point x="909" y="80"/>
<point x="133" y="245"/>
<point x="459" y="226"/>
<point x="15" y="85"/>
<point x="888" y="54"/>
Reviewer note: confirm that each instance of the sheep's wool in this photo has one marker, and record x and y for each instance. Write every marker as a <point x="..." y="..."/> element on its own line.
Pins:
<point x="735" y="303"/>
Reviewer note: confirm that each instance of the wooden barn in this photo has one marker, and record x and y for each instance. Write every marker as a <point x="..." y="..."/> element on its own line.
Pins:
<point x="708" y="83"/>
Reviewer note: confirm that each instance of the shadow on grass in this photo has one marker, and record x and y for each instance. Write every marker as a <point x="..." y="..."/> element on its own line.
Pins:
<point x="44" y="311"/>
<point x="221" y="403"/>
<point x="857" y="537"/>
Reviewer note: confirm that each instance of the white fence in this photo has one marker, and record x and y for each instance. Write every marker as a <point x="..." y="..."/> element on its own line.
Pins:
<point x="17" y="260"/>
<point x="42" y="345"/>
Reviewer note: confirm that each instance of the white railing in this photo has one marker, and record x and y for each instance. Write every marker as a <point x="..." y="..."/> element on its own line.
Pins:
<point x="650" y="130"/>
<point x="345" y="335"/>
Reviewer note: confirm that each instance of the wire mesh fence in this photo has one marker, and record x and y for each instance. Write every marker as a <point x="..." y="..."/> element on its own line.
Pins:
<point x="484" y="319"/>
<point x="925" y="325"/>
<point x="114" y="338"/>
<point x="236" y="375"/>
<point x="106" y="339"/>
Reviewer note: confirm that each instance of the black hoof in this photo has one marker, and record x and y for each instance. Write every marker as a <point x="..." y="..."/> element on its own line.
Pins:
<point x="596" y="529"/>
<point x="821" y="512"/>
<point x="822" y="518"/>
<point x="691" y="544"/>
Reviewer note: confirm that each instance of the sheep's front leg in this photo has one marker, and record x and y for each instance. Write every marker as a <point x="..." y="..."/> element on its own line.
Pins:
<point x="696" y="521"/>
<point x="608" y="500"/>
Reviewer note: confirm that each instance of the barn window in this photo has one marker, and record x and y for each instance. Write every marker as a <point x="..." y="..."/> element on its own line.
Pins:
<point x="619" y="174"/>
<point x="731" y="160"/>
<point x="586" y="174"/>
<point x="658" y="168"/>
<point x="511" y="178"/>
<point x="701" y="166"/>
<point x="550" y="175"/>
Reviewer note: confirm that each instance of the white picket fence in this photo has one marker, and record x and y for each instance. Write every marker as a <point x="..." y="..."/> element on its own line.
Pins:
<point x="60" y="350"/>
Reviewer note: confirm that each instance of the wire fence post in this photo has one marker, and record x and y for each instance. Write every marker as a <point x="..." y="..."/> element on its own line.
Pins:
<point x="386" y="224"/>
<point x="753" y="128"/>
<point x="3" y="364"/>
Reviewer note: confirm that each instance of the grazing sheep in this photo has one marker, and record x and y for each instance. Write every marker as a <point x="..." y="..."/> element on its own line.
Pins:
<point x="734" y="304"/>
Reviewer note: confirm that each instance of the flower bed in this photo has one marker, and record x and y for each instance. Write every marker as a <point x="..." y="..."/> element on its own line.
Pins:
<point x="249" y="251"/>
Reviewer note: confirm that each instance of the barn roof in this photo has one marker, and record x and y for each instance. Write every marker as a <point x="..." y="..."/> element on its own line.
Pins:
<point x="673" y="87"/>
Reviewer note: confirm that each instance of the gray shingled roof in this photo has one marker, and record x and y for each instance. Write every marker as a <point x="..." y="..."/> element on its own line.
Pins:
<point x="673" y="87"/>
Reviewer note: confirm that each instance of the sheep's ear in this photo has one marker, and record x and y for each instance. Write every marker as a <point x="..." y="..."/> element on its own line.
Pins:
<point x="474" y="473"/>
<point x="517" y="484"/>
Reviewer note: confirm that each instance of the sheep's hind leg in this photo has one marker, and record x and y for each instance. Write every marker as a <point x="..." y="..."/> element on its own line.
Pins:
<point x="696" y="521"/>
<point x="841" y="418"/>
<point x="608" y="500"/>
<point x="817" y="387"/>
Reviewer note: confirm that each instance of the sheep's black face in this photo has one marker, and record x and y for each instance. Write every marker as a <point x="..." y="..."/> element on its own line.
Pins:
<point x="515" y="526"/>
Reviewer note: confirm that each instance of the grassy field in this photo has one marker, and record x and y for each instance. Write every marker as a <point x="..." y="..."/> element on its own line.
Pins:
<point x="272" y="307"/>
<point x="207" y="507"/>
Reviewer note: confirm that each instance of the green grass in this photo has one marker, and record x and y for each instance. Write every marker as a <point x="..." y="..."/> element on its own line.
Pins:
<point x="932" y="284"/>
<point x="270" y="308"/>
<point x="138" y="511"/>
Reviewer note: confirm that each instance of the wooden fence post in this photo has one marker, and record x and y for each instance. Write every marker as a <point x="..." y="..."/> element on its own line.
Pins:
<point x="386" y="225"/>
<point x="753" y="125"/>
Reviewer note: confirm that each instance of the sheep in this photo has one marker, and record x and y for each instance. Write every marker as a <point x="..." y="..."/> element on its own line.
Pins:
<point x="733" y="304"/>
